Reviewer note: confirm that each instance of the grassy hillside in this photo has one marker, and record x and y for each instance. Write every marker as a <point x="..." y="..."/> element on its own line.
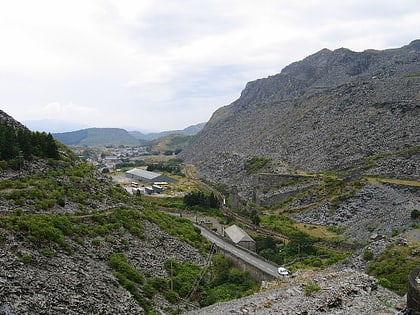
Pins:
<point x="170" y="144"/>
<point x="97" y="137"/>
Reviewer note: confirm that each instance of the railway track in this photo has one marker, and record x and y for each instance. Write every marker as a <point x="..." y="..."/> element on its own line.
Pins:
<point x="188" y="171"/>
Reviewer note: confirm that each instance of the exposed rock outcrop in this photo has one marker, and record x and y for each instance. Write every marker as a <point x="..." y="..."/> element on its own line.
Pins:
<point x="329" y="111"/>
<point x="331" y="292"/>
<point x="81" y="281"/>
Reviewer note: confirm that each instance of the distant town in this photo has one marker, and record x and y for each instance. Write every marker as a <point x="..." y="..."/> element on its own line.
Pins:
<point x="111" y="158"/>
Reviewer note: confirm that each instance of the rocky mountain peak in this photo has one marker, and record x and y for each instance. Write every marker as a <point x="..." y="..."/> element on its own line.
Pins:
<point x="328" y="111"/>
<point x="10" y="121"/>
<point x="415" y="44"/>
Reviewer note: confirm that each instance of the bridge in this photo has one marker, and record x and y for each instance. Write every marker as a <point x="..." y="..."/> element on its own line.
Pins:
<point x="258" y="267"/>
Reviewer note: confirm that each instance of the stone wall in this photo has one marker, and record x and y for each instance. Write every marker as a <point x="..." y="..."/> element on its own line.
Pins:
<point x="413" y="294"/>
<point x="255" y="273"/>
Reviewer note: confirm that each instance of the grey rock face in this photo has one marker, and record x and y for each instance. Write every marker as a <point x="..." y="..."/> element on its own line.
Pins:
<point x="375" y="209"/>
<point x="5" y="118"/>
<point x="326" y="112"/>
<point x="81" y="282"/>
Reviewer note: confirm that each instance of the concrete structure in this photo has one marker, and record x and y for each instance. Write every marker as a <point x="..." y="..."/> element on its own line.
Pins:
<point x="259" y="268"/>
<point x="413" y="294"/>
<point x="148" y="177"/>
<point x="240" y="237"/>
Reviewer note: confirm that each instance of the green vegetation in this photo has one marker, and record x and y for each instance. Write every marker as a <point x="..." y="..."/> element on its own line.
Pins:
<point x="120" y="264"/>
<point x="255" y="164"/>
<point x="187" y="281"/>
<point x="338" y="190"/>
<point x="171" y="203"/>
<point x="26" y="259"/>
<point x="311" y="288"/>
<point x="370" y="162"/>
<point x="201" y="199"/>
<point x="171" y="144"/>
<point x="303" y="250"/>
<point x="392" y="268"/>
<point x="46" y="230"/>
<point x="19" y="144"/>
<point x="172" y="166"/>
<point x="64" y="182"/>
<point x="415" y="214"/>
<point x="414" y="74"/>
<point x="180" y="227"/>
<point x="368" y="254"/>
<point x="127" y="164"/>
<point x="223" y="281"/>
<point x="130" y="279"/>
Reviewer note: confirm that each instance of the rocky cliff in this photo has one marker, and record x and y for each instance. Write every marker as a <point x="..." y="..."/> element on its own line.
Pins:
<point x="330" y="111"/>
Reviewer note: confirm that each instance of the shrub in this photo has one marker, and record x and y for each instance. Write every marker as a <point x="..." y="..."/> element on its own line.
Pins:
<point x="311" y="288"/>
<point x="385" y="283"/>
<point x="47" y="252"/>
<point x="199" y="198"/>
<point x="368" y="255"/>
<point x="394" y="265"/>
<point x="255" y="164"/>
<point x="120" y="264"/>
<point x="415" y="214"/>
<point x="96" y="241"/>
<point x="171" y="297"/>
<point x="26" y="259"/>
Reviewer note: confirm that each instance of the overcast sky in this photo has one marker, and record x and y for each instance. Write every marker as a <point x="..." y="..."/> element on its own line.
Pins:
<point x="156" y="65"/>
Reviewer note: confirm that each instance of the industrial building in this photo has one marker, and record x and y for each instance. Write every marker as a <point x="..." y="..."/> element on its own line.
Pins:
<point x="240" y="237"/>
<point x="148" y="177"/>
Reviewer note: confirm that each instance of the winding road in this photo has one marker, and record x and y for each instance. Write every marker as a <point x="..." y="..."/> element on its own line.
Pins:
<point x="244" y="255"/>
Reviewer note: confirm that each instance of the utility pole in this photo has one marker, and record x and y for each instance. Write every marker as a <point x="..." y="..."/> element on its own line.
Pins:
<point x="20" y="157"/>
<point x="172" y="283"/>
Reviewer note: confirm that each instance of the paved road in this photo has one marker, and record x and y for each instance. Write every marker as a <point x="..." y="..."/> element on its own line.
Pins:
<point x="240" y="253"/>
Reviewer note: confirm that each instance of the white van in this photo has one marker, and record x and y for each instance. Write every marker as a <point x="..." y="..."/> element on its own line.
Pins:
<point x="284" y="272"/>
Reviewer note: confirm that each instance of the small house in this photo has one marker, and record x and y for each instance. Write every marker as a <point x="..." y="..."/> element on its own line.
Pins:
<point x="240" y="237"/>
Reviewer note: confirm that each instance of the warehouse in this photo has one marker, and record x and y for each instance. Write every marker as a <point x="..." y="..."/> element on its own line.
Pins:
<point x="148" y="177"/>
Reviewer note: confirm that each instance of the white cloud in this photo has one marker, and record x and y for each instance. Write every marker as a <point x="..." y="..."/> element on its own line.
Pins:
<point x="170" y="63"/>
<point x="66" y="109"/>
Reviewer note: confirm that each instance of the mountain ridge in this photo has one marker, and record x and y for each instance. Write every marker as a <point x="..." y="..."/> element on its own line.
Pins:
<point x="117" y="136"/>
<point x="329" y="111"/>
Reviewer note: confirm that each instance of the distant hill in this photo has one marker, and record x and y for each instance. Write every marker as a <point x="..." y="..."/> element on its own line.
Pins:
<point x="172" y="142"/>
<point x="189" y="131"/>
<point x="97" y="137"/>
<point x="117" y="136"/>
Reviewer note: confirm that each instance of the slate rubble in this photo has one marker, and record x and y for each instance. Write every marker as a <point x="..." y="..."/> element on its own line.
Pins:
<point x="81" y="282"/>
<point x="377" y="209"/>
<point x="341" y="292"/>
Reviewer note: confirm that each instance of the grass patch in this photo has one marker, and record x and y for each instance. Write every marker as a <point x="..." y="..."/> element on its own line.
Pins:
<point x="180" y="227"/>
<point x="394" y="181"/>
<point x="254" y="164"/>
<point x="44" y="230"/>
<point x="318" y="231"/>
<point x="311" y="287"/>
<point x="411" y="75"/>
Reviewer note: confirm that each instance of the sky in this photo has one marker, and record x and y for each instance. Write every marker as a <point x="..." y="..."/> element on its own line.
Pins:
<point x="155" y="65"/>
